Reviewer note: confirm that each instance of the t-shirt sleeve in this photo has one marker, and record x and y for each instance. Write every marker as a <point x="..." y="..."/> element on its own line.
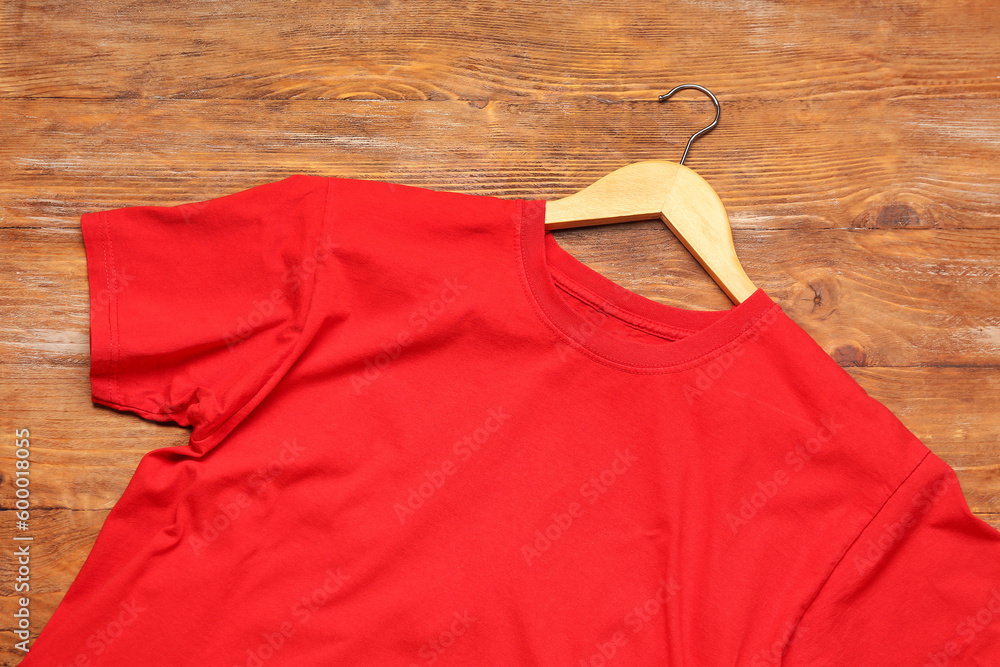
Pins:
<point x="195" y="309"/>
<point x="920" y="586"/>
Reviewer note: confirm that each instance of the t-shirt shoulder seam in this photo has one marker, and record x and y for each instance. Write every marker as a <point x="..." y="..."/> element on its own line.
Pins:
<point x="295" y="349"/>
<point x="847" y="549"/>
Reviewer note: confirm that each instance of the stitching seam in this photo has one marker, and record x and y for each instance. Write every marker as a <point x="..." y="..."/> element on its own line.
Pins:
<point x="822" y="585"/>
<point x="628" y="317"/>
<point x="675" y="367"/>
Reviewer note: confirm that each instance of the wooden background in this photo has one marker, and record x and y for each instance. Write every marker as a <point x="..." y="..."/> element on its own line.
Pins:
<point x="858" y="156"/>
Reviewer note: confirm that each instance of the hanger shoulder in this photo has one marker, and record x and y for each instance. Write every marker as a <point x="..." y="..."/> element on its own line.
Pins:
<point x="651" y="189"/>
<point x="633" y="192"/>
<point x="697" y="217"/>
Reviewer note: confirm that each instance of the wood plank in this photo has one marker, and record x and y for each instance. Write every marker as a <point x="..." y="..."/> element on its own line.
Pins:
<point x="63" y="539"/>
<point x="953" y="410"/>
<point x="497" y="51"/>
<point x="859" y="161"/>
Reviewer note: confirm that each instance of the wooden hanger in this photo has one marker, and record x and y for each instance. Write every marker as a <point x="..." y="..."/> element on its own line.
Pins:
<point x="672" y="192"/>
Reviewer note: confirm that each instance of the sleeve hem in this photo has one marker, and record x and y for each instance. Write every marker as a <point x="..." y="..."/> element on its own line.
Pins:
<point x="105" y="283"/>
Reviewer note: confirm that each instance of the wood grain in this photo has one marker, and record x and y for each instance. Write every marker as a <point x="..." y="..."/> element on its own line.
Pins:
<point x="857" y="157"/>
<point x="379" y="49"/>
<point x="865" y="161"/>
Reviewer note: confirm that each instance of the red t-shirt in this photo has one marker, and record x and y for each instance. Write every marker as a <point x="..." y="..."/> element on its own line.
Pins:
<point x="423" y="433"/>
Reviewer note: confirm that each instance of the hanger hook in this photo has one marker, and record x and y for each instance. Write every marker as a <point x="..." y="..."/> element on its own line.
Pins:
<point x="718" y="112"/>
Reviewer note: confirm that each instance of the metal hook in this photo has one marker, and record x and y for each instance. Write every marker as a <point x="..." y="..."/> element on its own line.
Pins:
<point x="718" y="112"/>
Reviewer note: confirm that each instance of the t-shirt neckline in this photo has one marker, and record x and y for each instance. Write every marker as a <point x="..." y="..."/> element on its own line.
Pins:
<point x="691" y="336"/>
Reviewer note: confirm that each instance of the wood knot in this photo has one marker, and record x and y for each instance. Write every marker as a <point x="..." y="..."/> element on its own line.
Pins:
<point x="817" y="295"/>
<point x="897" y="215"/>
<point x="849" y="354"/>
